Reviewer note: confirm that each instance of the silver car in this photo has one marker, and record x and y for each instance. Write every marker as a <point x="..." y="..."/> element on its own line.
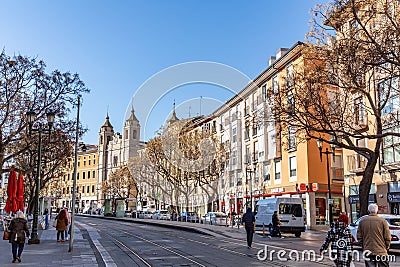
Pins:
<point x="215" y="218"/>
<point x="161" y="215"/>
<point x="394" y="227"/>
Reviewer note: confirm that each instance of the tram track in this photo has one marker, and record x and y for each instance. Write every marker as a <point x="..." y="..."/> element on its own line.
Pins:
<point x="227" y="245"/>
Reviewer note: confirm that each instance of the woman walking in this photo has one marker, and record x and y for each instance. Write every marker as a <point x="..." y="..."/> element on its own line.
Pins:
<point x="18" y="227"/>
<point x="340" y="237"/>
<point x="61" y="226"/>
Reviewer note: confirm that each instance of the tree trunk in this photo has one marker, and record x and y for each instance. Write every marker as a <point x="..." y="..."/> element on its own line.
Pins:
<point x="365" y="184"/>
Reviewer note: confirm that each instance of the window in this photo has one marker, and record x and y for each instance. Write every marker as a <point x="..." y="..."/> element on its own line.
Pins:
<point x="255" y="127"/>
<point x="255" y="149"/>
<point x="126" y="134"/>
<point x="289" y="76"/>
<point x="92" y="188"/>
<point x="391" y="146"/>
<point x="94" y="174"/>
<point x="359" y="111"/>
<point x="89" y="161"/>
<point x="234" y="135"/>
<point x="277" y="170"/>
<point x="239" y="179"/>
<point x="247" y="155"/>
<point x="94" y="160"/>
<point x="247" y="131"/>
<point x="84" y="161"/>
<point x="234" y="157"/>
<point x="389" y="93"/>
<point x="292" y="209"/>
<point x="292" y="166"/>
<point x="291" y="138"/>
<point x="77" y="176"/>
<point x="275" y="86"/>
<point x="83" y="175"/>
<point x="246" y="107"/>
<point x="88" y="189"/>
<point x="88" y="174"/>
<point x="231" y="180"/>
<point x="264" y="92"/>
<point x="290" y="105"/>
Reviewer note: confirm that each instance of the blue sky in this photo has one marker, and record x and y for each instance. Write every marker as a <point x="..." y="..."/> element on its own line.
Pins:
<point x="116" y="46"/>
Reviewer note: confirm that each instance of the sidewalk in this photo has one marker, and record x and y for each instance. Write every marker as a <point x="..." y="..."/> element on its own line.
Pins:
<point x="50" y="253"/>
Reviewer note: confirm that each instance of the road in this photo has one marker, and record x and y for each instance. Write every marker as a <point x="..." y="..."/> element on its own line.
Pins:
<point x="132" y="244"/>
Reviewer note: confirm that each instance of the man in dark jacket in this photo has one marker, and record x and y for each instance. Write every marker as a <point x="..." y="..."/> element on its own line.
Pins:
<point x="276" y="225"/>
<point x="248" y="219"/>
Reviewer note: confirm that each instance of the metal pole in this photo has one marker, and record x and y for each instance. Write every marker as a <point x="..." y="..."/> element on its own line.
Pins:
<point x="329" y="187"/>
<point x="34" y="235"/>
<point x="251" y="191"/>
<point x="71" y="240"/>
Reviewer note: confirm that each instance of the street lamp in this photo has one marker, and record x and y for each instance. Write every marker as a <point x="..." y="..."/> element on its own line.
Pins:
<point x="250" y="171"/>
<point x="326" y="152"/>
<point x="31" y="116"/>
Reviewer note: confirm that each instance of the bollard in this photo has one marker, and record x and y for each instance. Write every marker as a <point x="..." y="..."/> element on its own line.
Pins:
<point x="263" y="229"/>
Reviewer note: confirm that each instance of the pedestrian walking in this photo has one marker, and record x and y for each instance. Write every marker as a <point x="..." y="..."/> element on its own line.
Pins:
<point x="248" y="219"/>
<point x="46" y="219"/>
<point x="61" y="226"/>
<point x="18" y="228"/>
<point x="67" y="231"/>
<point x="339" y="235"/>
<point x="374" y="236"/>
<point x="276" y="225"/>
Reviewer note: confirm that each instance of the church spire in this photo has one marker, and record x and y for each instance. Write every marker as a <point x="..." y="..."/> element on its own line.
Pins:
<point x="173" y="117"/>
<point x="107" y="123"/>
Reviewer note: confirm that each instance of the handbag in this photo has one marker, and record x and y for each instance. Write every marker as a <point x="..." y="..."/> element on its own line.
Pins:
<point x="6" y="235"/>
<point x="55" y="223"/>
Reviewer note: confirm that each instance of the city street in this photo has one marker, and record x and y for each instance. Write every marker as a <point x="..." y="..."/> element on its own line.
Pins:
<point x="130" y="244"/>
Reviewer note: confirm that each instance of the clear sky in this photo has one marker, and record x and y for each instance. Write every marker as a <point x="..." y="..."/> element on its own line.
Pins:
<point x="116" y="46"/>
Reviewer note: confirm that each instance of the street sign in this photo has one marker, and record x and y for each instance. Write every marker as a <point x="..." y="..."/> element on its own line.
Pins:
<point x="330" y="201"/>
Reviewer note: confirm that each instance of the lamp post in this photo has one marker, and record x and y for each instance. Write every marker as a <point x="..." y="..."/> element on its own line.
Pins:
<point x="327" y="153"/>
<point x="31" y="116"/>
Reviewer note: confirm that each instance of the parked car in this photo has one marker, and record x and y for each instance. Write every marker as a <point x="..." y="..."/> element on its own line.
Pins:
<point x="394" y="226"/>
<point x="161" y="215"/>
<point x="128" y="213"/>
<point x="189" y="216"/>
<point x="215" y="218"/>
<point x="145" y="215"/>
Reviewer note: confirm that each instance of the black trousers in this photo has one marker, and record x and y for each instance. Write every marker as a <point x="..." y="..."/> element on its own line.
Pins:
<point x="249" y="232"/>
<point x="17" y="249"/>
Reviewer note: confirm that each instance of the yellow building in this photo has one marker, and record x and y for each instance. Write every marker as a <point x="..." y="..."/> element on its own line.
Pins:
<point x="87" y="194"/>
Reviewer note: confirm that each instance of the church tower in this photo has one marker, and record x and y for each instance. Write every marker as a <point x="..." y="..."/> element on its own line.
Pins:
<point x="105" y="135"/>
<point x="131" y="136"/>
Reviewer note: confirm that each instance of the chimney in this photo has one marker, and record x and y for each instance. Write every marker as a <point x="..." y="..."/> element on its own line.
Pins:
<point x="281" y="52"/>
<point x="271" y="60"/>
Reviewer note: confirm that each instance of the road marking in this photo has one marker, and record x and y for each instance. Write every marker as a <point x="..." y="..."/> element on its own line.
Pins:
<point x="107" y="259"/>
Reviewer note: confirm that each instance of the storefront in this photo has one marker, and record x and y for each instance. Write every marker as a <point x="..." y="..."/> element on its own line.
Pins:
<point x="354" y="200"/>
<point x="322" y="209"/>
<point x="393" y="197"/>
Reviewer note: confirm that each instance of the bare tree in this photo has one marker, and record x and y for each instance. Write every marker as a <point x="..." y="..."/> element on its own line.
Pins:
<point x="346" y="86"/>
<point x="120" y="184"/>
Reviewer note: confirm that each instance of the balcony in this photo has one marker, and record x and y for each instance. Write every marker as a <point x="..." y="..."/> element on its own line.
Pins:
<point x="356" y="163"/>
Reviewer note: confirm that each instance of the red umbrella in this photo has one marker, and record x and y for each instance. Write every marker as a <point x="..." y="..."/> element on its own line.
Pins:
<point x="20" y="193"/>
<point x="11" y="204"/>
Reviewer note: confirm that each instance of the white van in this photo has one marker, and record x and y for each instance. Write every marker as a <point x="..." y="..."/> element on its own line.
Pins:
<point x="290" y="211"/>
